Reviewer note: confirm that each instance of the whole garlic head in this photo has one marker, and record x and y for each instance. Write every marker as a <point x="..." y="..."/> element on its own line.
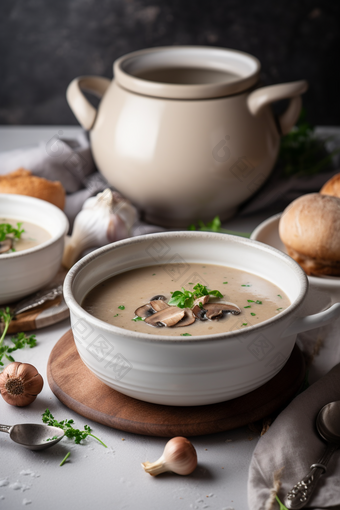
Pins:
<point x="105" y="218"/>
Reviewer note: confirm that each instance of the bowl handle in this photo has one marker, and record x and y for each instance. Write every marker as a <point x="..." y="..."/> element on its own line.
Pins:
<point x="260" y="98"/>
<point x="313" y="321"/>
<point x="81" y="107"/>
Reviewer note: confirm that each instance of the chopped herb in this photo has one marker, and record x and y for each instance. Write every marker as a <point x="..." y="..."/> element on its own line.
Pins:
<point x="279" y="295"/>
<point x="258" y="302"/>
<point x="215" y="226"/>
<point x="200" y="305"/>
<point x="7" y="230"/>
<point x="65" y="459"/>
<point x="153" y="274"/>
<point x="185" y="334"/>
<point x="246" y="285"/>
<point x="67" y="426"/>
<point x="186" y="298"/>
<point x="224" y="283"/>
<point x="190" y="283"/>
<point x="278" y="309"/>
<point x="136" y="319"/>
<point x="253" y="314"/>
<point x="52" y="438"/>
<point x="249" y="306"/>
<point x="250" y="300"/>
<point x="19" y="341"/>
<point x="245" y="324"/>
<point x="116" y="315"/>
<point x="121" y="307"/>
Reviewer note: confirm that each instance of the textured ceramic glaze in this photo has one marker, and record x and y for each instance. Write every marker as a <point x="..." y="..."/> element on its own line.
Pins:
<point x="188" y="370"/>
<point x="184" y="152"/>
<point x="24" y="272"/>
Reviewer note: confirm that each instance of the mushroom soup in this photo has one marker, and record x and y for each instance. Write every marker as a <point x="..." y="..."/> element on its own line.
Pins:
<point x="214" y="299"/>
<point x="17" y="235"/>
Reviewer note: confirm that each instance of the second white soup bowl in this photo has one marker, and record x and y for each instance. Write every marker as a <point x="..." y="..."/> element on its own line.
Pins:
<point x="189" y="371"/>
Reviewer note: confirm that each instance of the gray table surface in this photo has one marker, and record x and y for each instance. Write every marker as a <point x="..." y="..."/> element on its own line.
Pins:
<point x="96" y="477"/>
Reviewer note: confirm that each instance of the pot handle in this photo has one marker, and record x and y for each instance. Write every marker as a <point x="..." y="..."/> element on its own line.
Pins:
<point x="260" y="98"/>
<point x="313" y="321"/>
<point x="81" y="107"/>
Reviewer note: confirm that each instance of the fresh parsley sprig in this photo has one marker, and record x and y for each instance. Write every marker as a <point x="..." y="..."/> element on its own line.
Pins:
<point x="67" y="426"/>
<point x="7" y="230"/>
<point x="215" y="226"/>
<point x="19" y="341"/>
<point x="185" y="298"/>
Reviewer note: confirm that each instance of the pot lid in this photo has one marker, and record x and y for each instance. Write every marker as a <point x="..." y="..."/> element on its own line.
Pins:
<point x="187" y="72"/>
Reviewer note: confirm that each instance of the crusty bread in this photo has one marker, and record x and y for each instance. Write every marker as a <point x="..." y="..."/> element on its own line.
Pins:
<point x="22" y="182"/>
<point x="310" y="229"/>
<point x="332" y="187"/>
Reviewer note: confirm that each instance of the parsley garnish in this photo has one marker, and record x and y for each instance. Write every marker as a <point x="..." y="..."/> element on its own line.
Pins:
<point x="52" y="438"/>
<point x="7" y="230"/>
<point x="250" y="300"/>
<point x="186" y="298"/>
<point x="136" y="319"/>
<point x="185" y="334"/>
<point x="249" y="306"/>
<point x="258" y="302"/>
<point x="19" y="341"/>
<point x="65" y="459"/>
<point x="279" y="295"/>
<point x="67" y="426"/>
<point x="278" y="309"/>
<point x="246" y="285"/>
<point x="245" y="324"/>
<point x="215" y="226"/>
<point x="224" y="283"/>
<point x="252" y="313"/>
<point x="116" y="315"/>
<point x="121" y="307"/>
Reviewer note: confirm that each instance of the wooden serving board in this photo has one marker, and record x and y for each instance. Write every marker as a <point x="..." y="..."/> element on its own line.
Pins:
<point x="44" y="315"/>
<point x="76" y="387"/>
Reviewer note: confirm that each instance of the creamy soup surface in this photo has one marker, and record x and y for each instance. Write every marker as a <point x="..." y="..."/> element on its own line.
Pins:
<point x="115" y="300"/>
<point x="33" y="235"/>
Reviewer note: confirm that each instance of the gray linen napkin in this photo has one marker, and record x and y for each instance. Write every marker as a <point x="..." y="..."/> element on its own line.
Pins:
<point x="293" y="444"/>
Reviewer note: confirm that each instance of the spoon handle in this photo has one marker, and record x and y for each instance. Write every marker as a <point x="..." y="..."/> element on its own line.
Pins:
<point x="301" y="493"/>
<point x="5" y="428"/>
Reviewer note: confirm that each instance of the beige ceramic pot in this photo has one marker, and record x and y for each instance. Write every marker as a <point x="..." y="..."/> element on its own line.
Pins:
<point x="184" y="132"/>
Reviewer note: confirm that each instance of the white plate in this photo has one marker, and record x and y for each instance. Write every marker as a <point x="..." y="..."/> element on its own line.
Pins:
<point x="324" y="291"/>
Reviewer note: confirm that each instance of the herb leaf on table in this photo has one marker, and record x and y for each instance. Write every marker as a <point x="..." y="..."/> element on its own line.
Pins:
<point x="215" y="226"/>
<point x="302" y="153"/>
<point x="19" y="341"/>
<point x="67" y="426"/>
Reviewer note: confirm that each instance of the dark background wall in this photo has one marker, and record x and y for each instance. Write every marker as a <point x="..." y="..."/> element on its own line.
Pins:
<point x="44" y="44"/>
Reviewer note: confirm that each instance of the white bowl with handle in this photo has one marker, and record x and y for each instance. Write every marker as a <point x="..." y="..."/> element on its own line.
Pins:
<point x="24" y="272"/>
<point x="192" y="370"/>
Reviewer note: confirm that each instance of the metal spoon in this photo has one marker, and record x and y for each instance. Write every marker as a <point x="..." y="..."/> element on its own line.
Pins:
<point x="328" y="426"/>
<point x="33" y="436"/>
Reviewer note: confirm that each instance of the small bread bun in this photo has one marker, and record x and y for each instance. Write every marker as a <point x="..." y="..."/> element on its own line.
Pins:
<point x="22" y="182"/>
<point x="332" y="187"/>
<point x="310" y="229"/>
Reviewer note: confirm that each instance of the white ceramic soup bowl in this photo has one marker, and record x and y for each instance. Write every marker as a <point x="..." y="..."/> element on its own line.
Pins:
<point x="188" y="371"/>
<point x="24" y="272"/>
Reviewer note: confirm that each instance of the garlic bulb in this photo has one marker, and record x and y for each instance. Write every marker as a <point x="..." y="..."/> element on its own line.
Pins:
<point x="20" y="383"/>
<point x="179" y="456"/>
<point x="105" y="218"/>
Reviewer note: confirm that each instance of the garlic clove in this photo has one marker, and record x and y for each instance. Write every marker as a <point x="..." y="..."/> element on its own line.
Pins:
<point x="179" y="456"/>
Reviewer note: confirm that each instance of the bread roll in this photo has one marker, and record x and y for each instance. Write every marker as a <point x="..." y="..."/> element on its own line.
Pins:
<point x="310" y="230"/>
<point x="22" y="182"/>
<point x="332" y="187"/>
